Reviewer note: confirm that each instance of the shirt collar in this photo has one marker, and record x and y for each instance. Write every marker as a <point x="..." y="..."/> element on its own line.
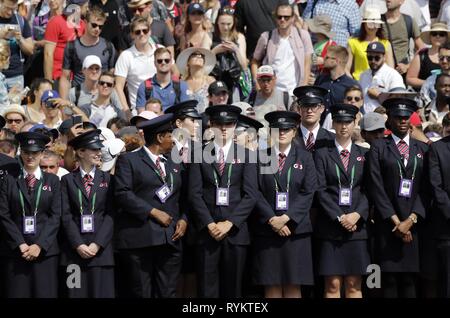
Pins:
<point x="397" y="139"/>
<point x="340" y="148"/>
<point x="225" y="148"/>
<point x="37" y="173"/>
<point x="153" y="157"/>
<point x="305" y="132"/>
<point x="286" y="152"/>
<point x="91" y="173"/>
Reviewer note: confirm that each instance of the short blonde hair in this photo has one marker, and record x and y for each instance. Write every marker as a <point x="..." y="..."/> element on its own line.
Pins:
<point x="4" y="48"/>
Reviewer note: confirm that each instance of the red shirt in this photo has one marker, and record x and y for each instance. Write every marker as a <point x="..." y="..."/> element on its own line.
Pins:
<point x="59" y="32"/>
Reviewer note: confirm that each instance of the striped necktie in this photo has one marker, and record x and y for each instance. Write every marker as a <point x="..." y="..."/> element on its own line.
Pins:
<point x="281" y="161"/>
<point x="403" y="148"/>
<point x="158" y="166"/>
<point x="87" y="181"/>
<point x="221" y="161"/>
<point x="345" y="156"/>
<point x="31" y="182"/>
<point x="310" y="142"/>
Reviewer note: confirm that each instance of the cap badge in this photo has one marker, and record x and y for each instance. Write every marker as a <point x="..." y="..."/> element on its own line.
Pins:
<point x="223" y="114"/>
<point x="95" y="138"/>
<point x="374" y="46"/>
<point x="50" y="94"/>
<point x="31" y="141"/>
<point x="402" y="106"/>
<point x="310" y="94"/>
<point x="219" y="84"/>
<point x="342" y="112"/>
<point x="281" y="120"/>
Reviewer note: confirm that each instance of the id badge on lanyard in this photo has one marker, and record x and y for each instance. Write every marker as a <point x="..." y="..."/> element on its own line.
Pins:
<point x="87" y="223"/>
<point x="163" y="193"/>
<point x="29" y="224"/>
<point x="222" y="196"/>
<point x="345" y="193"/>
<point x="282" y="201"/>
<point x="406" y="185"/>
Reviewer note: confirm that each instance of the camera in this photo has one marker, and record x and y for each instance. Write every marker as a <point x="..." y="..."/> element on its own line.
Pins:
<point x="51" y="104"/>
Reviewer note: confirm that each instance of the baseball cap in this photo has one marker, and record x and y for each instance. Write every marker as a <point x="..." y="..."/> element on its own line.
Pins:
<point x="265" y="71"/>
<point x="91" y="60"/>
<point x="376" y="47"/>
<point x="49" y="94"/>
<point x="217" y="87"/>
<point x="372" y="121"/>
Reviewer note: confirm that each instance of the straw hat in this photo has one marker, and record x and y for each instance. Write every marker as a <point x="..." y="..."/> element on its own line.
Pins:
<point x="321" y="24"/>
<point x="372" y="15"/>
<point x="182" y="60"/>
<point x="435" y="27"/>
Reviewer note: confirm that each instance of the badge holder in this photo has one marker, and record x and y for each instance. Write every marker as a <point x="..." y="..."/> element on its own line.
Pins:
<point x="405" y="189"/>
<point x="29" y="224"/>
<point x="163" y="193"/>
<point x="345" y="196"/>
<point x="222" y="196"/>
<point x="87" y="223"/>
<point x="281" y="201"/>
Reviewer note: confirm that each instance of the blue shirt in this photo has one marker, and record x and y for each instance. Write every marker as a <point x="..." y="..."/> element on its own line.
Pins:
<point x="166" y="94"/>
<point x="345" y="17"/>
<point x="336" y="89"/>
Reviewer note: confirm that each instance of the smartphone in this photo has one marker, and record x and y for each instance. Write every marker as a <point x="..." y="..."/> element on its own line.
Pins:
<point x="76" y="119"/>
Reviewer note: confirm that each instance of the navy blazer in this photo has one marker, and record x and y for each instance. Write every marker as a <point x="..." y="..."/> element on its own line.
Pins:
<point x="9" y="165"/>
<point x="302" y="186"/>
<point x="242" y="193"/>
<point x="71" y="185"/>
<point x="384" y="180"/>
<point x="327" y="226"/>
<point x="47" y="217"/>
<point x="136" y="182"/>
<point x="439" y="170"/>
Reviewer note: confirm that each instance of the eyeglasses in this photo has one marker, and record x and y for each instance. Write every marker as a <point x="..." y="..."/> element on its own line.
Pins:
<point x="444" y="57"/>
<point x="284" y="17"/>
<point x="141" y="9"/>
<point x="103" y="83"/>
<point x="160" y="61"/>
<point x="313" y="108"/>
<point x="355" y="98"/>
<point x="197" y="54"/>
<point x="94" y="68"/>
<point x="17" y="121"/>
<point x="141" y="31"/>
<point x="265" y="79"/>
<point x="375" y="58"/>
<point x="47" y="167"/>
<point x="441" y="34"/>
<point x="95" y="25"/>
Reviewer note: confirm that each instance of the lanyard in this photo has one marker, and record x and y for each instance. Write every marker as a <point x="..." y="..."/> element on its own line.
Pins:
<point x="38" y="199"/>
<point x="288" y="180"/>
<point x="163" y="178"/>
<point x="230" y="167"/>
<point x="414" y="170"/>
<point x="339" y="176"/>
<point x="94" y="197"/>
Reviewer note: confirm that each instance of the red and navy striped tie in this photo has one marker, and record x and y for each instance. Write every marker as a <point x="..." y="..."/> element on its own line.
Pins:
<point x="281" y="161"/>
<point x="403" y="148"/>
<point x="345" y="158"/>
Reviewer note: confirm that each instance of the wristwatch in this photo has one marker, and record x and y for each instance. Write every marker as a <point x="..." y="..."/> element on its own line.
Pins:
<point x="413" y="218"/>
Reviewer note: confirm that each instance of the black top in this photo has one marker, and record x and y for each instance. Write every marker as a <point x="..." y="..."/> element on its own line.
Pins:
<point x="426" y="65"/>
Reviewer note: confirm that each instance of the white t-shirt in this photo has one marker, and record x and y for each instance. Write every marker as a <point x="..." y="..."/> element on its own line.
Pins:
<point x="136" y="67"/>
<point x="444" y="13"/>
<point x="384" y="79"/>
<point x="101" y="115"/>
<point x="285" y="67"/>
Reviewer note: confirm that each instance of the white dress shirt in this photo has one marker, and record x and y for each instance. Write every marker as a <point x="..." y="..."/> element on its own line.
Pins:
<point x="153" y="158"/>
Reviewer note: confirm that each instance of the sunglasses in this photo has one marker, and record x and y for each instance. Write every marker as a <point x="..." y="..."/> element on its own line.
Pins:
<point x="17" y="121"/>
<point x="141" y="9"/>
<point x="47" y="167"/>
<point x="441" y="34"/>
<point x="95" y="25"/>
<point x="373" y="58"/>
<point x="444" y="57"/>
<point x="355" y="98"/>
<point x="265" y="79"/>
<point x="197" y="54"/>
<point x="160" y="61"/>
<point x="284" y="17"/>
<point x="226" y="10"/>
<point x="103" y="83"/>
<point x="141" y="31"/>
<point x="372" y="25"/>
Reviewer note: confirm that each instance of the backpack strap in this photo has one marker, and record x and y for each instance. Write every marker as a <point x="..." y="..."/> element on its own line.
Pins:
<point x="109" y="51"/>
<point x="77" y="94"/>
<point x="252" y="98"/>
<point x="286" y="100"/>
<point x="148" y="88"/>
<point x="409" y="25"/>
<point x="177" y="88"/>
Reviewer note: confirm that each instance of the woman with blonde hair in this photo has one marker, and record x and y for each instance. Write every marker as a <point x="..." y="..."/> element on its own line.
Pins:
<point x="195" y="64"/>
<point x="4" y="65"/>
<point x="195" y="28"/>
<point x="211" y="9"/>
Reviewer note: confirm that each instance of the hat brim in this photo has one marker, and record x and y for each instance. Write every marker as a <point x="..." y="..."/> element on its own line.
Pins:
<point x="223" y="120"/>
<point x="400" y="113"/>
<point x="194" y="115"/>
<point x="317" y="29"/>
<point x="373" y="21"/>
<point x="32" y="148"/>
<point x="306" y="101"/>
<point x="426" y="35"/>
<point x="284" y="125"/>
<point x="182" y="60"/>
<point x="137" y="4"/>
<point x="343" y="118"/>
<point x="370" y="129"/>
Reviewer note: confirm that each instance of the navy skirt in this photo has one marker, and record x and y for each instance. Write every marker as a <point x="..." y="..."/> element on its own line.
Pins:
<point x="282" y="260"/>
<point x="343" y="258"/>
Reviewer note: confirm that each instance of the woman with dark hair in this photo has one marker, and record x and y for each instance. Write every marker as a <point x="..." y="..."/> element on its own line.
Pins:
<point x="229" y="46"/>
<point x="33" y="108"/>
<point x="370" y="31"/>
<point x="195" y="29"/>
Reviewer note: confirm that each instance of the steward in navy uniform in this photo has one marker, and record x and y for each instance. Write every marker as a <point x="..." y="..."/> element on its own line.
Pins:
<point x="149" y="225"/>
<point x="8" y="165"/>
<point x="186" y="121"/>
<point x="439" y="170"/>
<point x="310" y="100"/>
<point x="396" y="168"/>
<point x="87" y="221"/>
<point x="30" y="211"/>
<point x="281" y="227"/>
<point x="222" y="193"/>
<point x="344" y="208"/>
